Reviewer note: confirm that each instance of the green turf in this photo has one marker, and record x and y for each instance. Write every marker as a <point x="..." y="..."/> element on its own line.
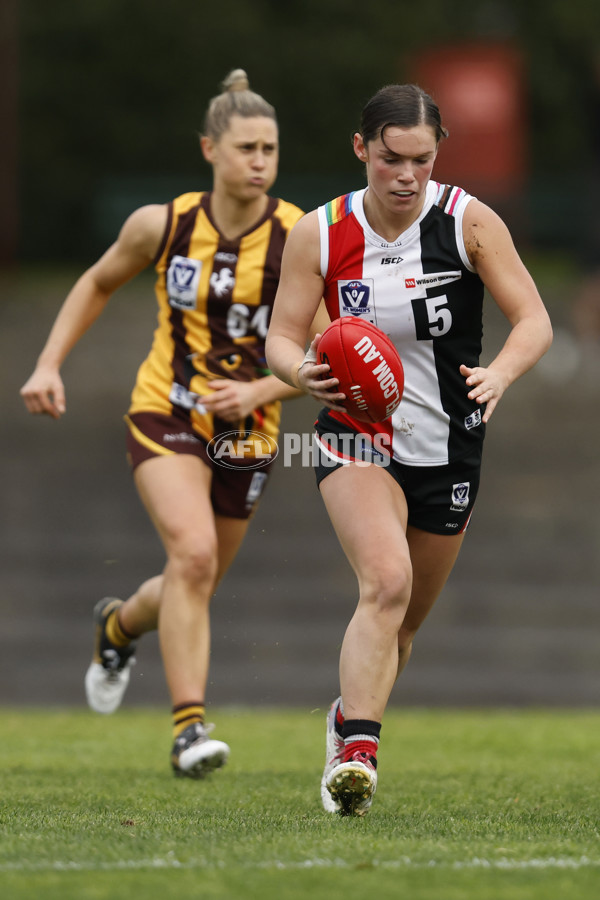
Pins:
<point x="480" y="805"/>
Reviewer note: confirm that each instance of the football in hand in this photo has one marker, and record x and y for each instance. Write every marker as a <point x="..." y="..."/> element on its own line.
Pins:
<point x="367" y="366"/>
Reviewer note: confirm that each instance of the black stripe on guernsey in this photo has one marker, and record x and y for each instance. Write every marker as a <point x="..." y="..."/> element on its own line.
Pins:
<point x="445" y="197"/>
<point x="463" y="299"/>
<point x="166" y="234"/>
<point x="271" y="272"/>
<point x="180" y="244"/>
<point x="273" y="261"/>
<point x="217" y="323"/>
<point x="247" y="356"/>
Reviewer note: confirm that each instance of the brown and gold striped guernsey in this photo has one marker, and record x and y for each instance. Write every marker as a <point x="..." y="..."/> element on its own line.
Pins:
<point x="215" y="298"/>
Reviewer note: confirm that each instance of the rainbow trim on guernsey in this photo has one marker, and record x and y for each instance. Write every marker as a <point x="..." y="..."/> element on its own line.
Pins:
<point x="338" y="209"/>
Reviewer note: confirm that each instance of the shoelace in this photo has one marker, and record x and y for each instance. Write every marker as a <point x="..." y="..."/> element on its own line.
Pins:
<point x="359" y="756"/>
<point x="202" y="732"/>
<point x="113" y="663"/>
<point x="203" y="729"/>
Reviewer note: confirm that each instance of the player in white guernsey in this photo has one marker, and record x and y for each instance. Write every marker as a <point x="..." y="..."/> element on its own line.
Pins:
<point x="423" y="292"/>
<point x="413" y="257"/>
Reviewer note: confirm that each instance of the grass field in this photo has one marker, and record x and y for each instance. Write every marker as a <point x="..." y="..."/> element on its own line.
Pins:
<point x="479" y="805"/>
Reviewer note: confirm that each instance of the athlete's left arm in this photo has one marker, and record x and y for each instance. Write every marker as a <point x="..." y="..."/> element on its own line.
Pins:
<point x="493" y="254"/>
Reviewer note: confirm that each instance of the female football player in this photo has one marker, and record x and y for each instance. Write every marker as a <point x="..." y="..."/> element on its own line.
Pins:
<point x="417" y="255"/>
<point x="217" y="256"/>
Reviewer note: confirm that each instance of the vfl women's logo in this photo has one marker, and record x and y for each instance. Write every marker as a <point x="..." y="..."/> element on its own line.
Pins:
<point x="183" y="276"/>
<point x="355" y="297"/>
<point x="473" y="420"/>
<point x="460" y="496"/>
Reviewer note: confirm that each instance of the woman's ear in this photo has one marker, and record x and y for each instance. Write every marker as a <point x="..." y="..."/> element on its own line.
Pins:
<point x="360" y="149"/>
<point x="208" y="148"/>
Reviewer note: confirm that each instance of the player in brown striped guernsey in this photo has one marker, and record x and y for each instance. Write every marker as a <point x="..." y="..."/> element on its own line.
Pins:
<point x="204" y="412"/>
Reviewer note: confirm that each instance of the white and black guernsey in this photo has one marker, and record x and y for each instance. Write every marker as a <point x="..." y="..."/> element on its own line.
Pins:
<point x="423" y="292"/>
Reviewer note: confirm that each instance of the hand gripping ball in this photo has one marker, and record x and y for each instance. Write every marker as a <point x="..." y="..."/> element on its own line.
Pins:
<point x="367" y="365"/>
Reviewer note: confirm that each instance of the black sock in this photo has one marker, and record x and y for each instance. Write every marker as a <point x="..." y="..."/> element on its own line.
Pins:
<point x="361" y="736"/>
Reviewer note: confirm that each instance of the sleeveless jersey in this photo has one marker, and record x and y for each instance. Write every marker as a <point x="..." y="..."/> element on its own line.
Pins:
<point x="215" y="298"/>
<point x="423" y="292"/>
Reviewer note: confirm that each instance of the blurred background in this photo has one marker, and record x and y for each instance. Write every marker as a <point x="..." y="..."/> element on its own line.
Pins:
<point x="101" y="104"/>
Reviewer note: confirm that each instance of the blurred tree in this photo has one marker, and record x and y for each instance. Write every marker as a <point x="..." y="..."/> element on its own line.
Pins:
<point x="112" y="92"/>
<point x="9" y="213"/>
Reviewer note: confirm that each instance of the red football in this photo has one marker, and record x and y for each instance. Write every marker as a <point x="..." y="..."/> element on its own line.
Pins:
<point x="367" y="365"/>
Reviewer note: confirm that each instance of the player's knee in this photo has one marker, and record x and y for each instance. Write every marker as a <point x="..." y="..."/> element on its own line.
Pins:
<point x="388" y="588"/>
<point x="194" y="563"/>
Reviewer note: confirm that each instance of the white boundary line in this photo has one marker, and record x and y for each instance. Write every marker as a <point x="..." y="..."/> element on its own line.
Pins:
<point x="171" y="862"/>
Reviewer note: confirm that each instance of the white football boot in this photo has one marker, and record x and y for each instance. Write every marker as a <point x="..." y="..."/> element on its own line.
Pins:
<point x="107" y="677"/>
<point x="195" y="755"/>
<point x="352" y="785"/>
<point x="334" y="753"/>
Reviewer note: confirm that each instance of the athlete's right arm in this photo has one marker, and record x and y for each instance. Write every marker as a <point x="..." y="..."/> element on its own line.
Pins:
<point x="295" y="309"/>
<point x="134" y="249"/>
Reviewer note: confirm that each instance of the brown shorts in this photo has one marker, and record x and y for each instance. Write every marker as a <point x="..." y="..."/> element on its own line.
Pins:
<point x="236" y="489"/>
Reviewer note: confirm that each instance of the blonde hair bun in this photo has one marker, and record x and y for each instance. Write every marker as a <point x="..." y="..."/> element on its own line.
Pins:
<point x="237" y="80"/>
<point x="235" y="99"/>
